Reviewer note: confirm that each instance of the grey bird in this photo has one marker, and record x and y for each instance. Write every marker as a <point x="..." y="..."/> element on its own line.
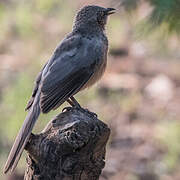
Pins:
<point x="77" y="62"/>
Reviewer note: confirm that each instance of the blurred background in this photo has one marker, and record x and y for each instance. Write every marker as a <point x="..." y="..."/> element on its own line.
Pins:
<point x="138" y="97"/>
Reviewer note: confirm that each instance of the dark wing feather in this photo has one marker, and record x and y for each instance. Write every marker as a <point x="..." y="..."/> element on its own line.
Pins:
<point x="69" y="72"/>
<point x="67" y="88"/>
<point x="35" y="90"/>
<point x="30" y="102"/>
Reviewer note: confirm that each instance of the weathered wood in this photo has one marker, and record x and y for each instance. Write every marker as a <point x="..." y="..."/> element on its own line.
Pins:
<point x="72" y="147"/>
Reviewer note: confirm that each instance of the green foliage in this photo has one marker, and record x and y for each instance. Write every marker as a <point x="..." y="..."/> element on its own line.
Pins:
<point x="14" y="101"/>
<point x="24" y="20"/>
<point x="165" y="12"/>
<point x="2" y="11"/>
<point x="130" y="5"/>
<point x="46" y="6"/>
<point x="169" y="135"/>
<point x="3" y="23"/>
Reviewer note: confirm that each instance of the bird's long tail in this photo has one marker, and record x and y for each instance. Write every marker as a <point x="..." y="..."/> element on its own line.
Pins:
<point x="22" y="136"/>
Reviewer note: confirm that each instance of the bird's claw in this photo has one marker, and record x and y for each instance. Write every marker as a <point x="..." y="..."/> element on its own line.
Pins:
<point x="91" y="113"/>
<point x="66" y="109"/>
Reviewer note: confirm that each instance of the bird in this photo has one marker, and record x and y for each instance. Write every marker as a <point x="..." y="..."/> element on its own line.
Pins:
<point x="78" y="62"/>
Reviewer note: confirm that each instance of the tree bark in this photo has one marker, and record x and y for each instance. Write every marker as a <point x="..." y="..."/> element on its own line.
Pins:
<point x="71" y="147"/>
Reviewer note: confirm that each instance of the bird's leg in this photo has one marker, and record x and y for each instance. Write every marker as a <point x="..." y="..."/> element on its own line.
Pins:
<point x="91" y="113"/>
<point x="79" y="106"/>
<point x="74" y="101"/>
<point x="68" y="108"/>
<point x="70" y="102"/>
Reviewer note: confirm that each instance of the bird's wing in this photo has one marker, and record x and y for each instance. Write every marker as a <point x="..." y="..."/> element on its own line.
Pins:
<point x="73" y="64"/>
<point x="30" y="102"/>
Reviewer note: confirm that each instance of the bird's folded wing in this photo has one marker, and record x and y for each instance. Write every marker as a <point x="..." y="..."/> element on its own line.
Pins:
<point x="63" y="89"/>
<point x="69" y="72"/>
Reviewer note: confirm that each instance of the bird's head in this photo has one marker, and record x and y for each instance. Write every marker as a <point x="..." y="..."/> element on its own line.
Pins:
<point x="93" y="16"/>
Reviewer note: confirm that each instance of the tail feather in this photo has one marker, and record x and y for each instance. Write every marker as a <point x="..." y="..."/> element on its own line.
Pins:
<point x="22" y="136"/>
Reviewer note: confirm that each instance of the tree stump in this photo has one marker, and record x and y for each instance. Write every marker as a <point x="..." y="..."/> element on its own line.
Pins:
<point x="71" y="147"/>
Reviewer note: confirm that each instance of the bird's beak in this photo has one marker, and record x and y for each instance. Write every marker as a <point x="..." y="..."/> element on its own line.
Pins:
<point x="110" y="11"/>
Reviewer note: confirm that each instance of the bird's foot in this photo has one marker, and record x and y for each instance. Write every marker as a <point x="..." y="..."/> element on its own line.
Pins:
<point x="78" y="107"/>
<point x="66" y="109"/>
<point x="89" y="112"/>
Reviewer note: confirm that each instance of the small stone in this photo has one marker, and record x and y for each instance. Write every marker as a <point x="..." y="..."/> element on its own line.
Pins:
<point x="161" y="88"/>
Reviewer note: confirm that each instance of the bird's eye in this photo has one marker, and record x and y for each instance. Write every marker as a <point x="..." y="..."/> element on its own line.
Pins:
<point x="102" y="13"/>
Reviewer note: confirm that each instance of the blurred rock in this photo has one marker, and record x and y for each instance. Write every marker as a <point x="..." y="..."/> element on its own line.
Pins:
<point x="161" y="88"/>
<point x="138" y="49"/>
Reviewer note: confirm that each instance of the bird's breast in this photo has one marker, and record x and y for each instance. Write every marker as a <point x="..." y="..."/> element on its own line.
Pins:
<point x="97" y="74"/>
<point x="99" y="70"/>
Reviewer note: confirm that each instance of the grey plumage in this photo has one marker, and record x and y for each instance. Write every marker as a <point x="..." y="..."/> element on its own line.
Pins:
<point x="78" y="62"/>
